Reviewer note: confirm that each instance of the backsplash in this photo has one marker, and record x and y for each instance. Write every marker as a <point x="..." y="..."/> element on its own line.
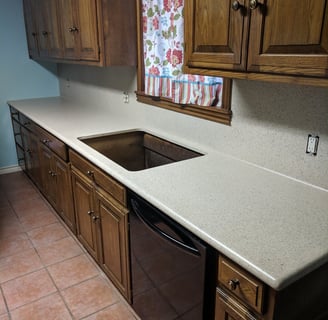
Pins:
<point x="269" y="128"/>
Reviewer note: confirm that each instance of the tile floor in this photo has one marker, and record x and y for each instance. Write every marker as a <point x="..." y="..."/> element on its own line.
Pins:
<point x="44" y="272"/>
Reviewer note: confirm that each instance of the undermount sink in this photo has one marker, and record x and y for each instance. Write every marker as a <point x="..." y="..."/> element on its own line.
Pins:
<point x="138" y="150"/>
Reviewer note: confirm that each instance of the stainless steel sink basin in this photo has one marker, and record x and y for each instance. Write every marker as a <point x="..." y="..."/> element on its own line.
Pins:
<point x="138" y="150"/>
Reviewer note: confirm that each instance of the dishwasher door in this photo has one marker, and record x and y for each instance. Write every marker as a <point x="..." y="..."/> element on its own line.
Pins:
<point x="168" y="267"/>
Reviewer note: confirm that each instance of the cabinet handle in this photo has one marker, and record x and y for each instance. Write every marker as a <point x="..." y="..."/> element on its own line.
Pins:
<point x="45" y="141"/>
<point x="44" y="33"/>
<point x="73" y="29"/>
<point x="90" y="173"/>
<point x="90" y="212"/>
<point x="95" y="218"/>
<point x="253" y="4"/>
<point x="236" y="5"/>
<point x="233" y="283"/>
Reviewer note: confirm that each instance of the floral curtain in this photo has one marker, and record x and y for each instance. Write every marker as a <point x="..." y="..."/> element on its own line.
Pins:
<point x="163" y="42"/>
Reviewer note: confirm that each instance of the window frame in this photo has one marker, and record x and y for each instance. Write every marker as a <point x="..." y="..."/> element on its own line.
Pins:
<point x="221" y="115"/>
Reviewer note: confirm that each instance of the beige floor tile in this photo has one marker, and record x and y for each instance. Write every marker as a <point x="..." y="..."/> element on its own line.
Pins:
<point x="4" y="317"/>
<point x="10" y="226"/>
<point x="89" y="297"/>
<point x="72" y="271"/>
<point x="38" y="219"/>
<point x="47" y="234"/>
<point x="49" y="308"/>
<point x="29" y="206"/>
<point x="19" y="264"/>
<point x="117" y="311"/>
<point x="14" y="244"/>
<point x="28" y="288"/>
<point x="58" y="251"/>
<point x="3" y="308"/>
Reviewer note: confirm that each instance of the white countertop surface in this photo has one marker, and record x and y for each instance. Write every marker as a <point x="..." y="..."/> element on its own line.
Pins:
<point x="272" y="225"/>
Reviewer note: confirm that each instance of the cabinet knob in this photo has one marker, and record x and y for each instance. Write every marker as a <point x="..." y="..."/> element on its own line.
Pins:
<point x="45" y="141"/>
<point x="73" y="29"/>
<point x="236" y="5"/>
<point x="233" y="283"/>
<point x="253" y="4"/>
<point x="95" y="218"/>
<point x="44" y="33"/>
<point x="90" y="212"/>
<point x="90" y="173"/>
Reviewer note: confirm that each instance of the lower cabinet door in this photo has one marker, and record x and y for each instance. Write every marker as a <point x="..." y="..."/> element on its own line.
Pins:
<point x="114" y="241"/>
<point x="64" y="193"/>
<point x="85" y="215"/>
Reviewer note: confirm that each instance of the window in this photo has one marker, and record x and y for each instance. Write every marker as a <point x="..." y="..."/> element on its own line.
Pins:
<point x="160" y="61"/>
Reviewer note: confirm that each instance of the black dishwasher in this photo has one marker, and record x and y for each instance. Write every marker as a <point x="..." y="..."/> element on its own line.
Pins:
<point x="173" y="272"/>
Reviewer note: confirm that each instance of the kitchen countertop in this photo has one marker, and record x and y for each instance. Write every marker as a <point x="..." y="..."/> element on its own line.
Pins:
<point x="273" y="226"/>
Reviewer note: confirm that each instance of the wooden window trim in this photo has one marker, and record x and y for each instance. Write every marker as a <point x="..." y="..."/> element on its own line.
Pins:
<point x="221" y="115"/>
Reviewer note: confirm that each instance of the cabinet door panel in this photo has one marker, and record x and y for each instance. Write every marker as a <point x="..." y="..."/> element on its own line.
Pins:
<point x="87" y="25"/>
<point x="67" y="23"/>
<point x="113" y="233"/>
<point x="48" y="175"/>
<point x="55" y="45"/>
<point x="83" y="200"/>
<point x="64" y="192"/>
<point x="214" y="34"/>
<point x="31" y="30"/>
<point x="289" y="37"/>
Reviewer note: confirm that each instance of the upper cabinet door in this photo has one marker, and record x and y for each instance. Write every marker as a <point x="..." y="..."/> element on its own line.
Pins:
<point x="68" y="28"/>
<point x="31" y="28"/>
<point x="88" y="32"/>
<point x="79" y="29"/>
<point x="215" y="34"/>
<point x="289" y="37"/>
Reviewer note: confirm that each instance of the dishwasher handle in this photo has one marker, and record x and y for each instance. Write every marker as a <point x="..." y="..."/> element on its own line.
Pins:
<point x="187" y="243"/>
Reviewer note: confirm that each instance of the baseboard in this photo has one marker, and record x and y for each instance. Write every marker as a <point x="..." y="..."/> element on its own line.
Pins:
<point x="10" y="169"/>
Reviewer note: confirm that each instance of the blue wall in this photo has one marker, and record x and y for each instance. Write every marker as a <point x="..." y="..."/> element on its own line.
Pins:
<point x="20" y="77"/>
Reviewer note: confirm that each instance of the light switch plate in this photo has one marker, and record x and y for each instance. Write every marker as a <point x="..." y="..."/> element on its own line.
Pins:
<point x="312" y="144"/>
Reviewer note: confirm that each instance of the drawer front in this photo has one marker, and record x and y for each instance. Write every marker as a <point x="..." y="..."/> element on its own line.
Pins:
<point x="226" y="308"/>
<point x="111" y="186"/>
<point x="26" y="122"/>
<point x="14" y="113"/>
<point x="242" y="284"/>
<point x="53" y="143"/>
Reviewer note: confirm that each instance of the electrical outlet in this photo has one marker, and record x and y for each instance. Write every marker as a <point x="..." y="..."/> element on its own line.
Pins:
<point x="312" y="144"/>
<point x="125" y="97"/>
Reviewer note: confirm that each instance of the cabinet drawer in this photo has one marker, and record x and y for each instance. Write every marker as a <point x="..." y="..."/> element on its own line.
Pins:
<point x="111" y="186"/>
<point x="226" y="308"/>
<point x="241" y="283"/>
<point x="14" y="113"/>
<point x="53" y="143"/>
<point x="26" y="122"/>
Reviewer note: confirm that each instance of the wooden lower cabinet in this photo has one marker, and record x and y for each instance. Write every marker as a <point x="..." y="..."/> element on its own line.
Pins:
<point x="113" y="236"/>
<point x="86" y="230"/>
<point x="31" y="152"/>
<point x="102" y="220"/>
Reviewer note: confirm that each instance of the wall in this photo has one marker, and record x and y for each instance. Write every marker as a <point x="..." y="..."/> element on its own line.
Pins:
<point x="20" y="77"/>
<point x="269" y="127"/>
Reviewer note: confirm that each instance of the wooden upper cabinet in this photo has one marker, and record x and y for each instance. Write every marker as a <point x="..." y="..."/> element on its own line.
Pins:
<point x="246" y="38"/>
<point x="31" y="28"/>
<point x="94" y="32"/>
<point x="49" y="34"/>
<point x="214" y="35"/>
<point x="79" y="29"/>
<point x="289" y="37"/>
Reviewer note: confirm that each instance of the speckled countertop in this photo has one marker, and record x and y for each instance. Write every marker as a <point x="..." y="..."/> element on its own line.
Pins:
<point x="273" y="226"/>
